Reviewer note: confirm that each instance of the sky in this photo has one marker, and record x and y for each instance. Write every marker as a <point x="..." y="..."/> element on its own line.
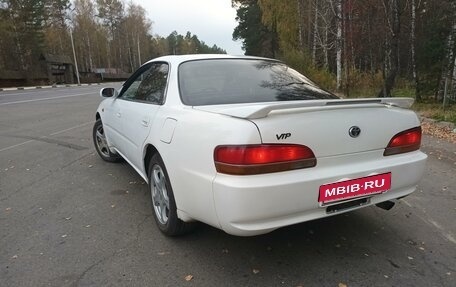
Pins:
<point x="213" y="21"/>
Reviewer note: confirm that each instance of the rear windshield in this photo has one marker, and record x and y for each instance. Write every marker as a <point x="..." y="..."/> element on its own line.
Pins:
<point x="235" y="81"/>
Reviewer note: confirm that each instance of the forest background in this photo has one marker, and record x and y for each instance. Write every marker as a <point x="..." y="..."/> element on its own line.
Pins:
<point x="361" y="48"/>
<point x="106" y="34"/>
<point x="354" y="48"/>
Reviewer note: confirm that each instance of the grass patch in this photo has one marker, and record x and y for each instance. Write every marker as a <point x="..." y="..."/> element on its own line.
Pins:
<point x="427" y="109"/>
<point x="435" y="111"/>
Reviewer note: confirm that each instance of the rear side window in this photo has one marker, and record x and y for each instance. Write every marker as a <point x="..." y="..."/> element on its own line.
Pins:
<point x="234" y="81"/>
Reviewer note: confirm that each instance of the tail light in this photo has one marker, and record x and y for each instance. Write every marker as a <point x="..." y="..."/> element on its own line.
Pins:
<point x="405" y="141"/>
<point x="265" y="158"/>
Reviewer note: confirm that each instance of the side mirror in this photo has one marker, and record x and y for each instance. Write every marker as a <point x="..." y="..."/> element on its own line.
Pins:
<point x="108" y="92"/>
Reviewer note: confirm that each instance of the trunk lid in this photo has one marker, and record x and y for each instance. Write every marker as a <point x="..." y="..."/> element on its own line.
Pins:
<point x="325" y="128"/>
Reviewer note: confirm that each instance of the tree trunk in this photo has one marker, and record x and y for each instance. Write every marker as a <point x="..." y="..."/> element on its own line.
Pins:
<point x="453" y="81"/>
<point x="413" y="49"/>
<point x="369" y="39"/>
<point x="325" y="47"/>
<point x="447" y="70"/>
<point x="315" y="34"/>
<point x="339" y="45"/>
<point x="89" y="46"/>
<point x="395" y="29"/>
<point x="300" y="27"/>
<point x="345" y="43"/>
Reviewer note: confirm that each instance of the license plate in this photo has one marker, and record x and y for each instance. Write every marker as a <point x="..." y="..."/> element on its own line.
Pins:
<point x="352" y="188"/>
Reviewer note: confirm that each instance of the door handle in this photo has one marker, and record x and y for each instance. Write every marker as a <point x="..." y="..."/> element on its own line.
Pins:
<point x="145" y="123"/>
<point x="118" y="115"/>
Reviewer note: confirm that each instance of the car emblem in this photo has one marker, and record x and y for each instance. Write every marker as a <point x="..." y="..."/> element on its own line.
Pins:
<point x="354" y="131"/>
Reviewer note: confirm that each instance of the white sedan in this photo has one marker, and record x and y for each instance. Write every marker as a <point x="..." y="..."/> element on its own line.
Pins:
<point x="249" y="145"/>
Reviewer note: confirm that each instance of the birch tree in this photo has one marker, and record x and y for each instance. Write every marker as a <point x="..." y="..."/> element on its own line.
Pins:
<point x="111" y="13"/>
<point x="413" y="9"/>
<point x="85" y="28"/>
<point x="392" y="13"/>
<point x="339" y="44"/>
<point x="56" y="30"/>
<point x="450" y="55"/>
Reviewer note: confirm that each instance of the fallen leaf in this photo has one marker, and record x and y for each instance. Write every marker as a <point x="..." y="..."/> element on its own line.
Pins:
<point x="438" y="131"/>
<point x="386" y="276"/>
<point x="8" y="209"/>
<point x="255" y="271"/>
<point x="163" y="253"/>
<point x="421" y="248"/>
<point x="365" y="254"/>
<point x="410" y="257"/>
<point x="14" y="257"/>
<point x="342" y="285"/>
<point x="188" y="277"/>
<point x="88" y="225"/>
<point x="90" y="165"/>
<point x="68" y="218"/>
<point x="113" y="205"/>
<point x="63" y="236"/>
<point x="448" y="273"/>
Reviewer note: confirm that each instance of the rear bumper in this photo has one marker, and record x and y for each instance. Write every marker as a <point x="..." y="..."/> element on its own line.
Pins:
<point x="252" y="205"/>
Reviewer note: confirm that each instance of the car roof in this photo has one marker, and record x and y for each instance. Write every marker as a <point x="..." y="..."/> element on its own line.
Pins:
<point x="177" y="59"/>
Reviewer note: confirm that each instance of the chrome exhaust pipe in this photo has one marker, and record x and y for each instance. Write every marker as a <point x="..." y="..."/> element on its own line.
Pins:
<point x="386" y="205"/>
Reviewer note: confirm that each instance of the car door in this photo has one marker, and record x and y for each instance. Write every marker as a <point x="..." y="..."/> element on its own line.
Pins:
<point x="112" y="121"/>
<point x="139" y="103"/>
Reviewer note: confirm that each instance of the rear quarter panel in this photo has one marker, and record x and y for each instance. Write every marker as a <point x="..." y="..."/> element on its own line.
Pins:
<point x="189" y="156"/>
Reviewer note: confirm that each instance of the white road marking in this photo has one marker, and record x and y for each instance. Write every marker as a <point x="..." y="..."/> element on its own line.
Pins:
<point x="16" y="145"/>
<point x="45" y="99"/>
<point x="37" y="91"/>
<point x="72" y="128"/>
<point x="43" y="90"/>
<point x="53" y="134"/>
<point x="16" y="94"/>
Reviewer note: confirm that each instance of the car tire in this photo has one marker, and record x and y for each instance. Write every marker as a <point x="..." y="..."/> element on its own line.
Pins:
<point x="162" y="200"/>
<point x="101" y="145"/>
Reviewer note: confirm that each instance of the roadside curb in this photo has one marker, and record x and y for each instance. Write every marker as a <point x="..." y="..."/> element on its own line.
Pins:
<point x="48" y="87"/>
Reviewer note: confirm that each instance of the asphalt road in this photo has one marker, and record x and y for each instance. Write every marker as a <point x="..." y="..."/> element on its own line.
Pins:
<point x="69" y="219"/>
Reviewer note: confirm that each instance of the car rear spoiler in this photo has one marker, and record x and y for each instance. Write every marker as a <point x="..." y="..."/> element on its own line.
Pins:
<point x="262" y="110"/>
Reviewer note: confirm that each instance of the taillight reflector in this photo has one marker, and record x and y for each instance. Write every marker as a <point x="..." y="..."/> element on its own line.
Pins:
<point x="405" y="141"/>
<point x="258" y="159"/>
